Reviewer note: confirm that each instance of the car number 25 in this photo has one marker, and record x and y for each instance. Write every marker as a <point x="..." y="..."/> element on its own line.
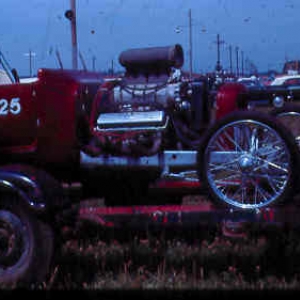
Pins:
<point x="12" y="106"/>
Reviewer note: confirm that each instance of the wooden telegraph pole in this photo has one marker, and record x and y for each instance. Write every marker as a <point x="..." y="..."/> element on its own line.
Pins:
<point x="218" y="42"/>
<point x="230" y="59"/>
<point x="190" y="43"/>
<point x="242" y="62"/>
<point x="71" y="15"/>
<point x="237" y="61"/>
<point x="30" y="54"/>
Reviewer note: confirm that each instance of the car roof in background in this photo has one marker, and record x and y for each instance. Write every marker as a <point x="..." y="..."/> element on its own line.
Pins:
<point x="280" y="80"/>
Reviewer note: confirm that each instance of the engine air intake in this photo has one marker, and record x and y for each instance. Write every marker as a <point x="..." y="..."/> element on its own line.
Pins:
<point x="152" y="60"/>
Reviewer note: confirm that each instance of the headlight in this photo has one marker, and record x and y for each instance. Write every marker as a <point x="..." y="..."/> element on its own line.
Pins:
<point x="278" y="101"/>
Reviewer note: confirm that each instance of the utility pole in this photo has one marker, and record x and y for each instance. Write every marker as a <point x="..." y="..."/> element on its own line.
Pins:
<point x="219" y="42"/>
<point x="242" y="58"/>
<point x="74" y="35"/>
<point x="190" y="43"/>
<point x="230" y="59"/>
<point x="246" y="65"/>
<point x="237" y="60"/>
<point x="94" y="62"/>
<point x="30" y="54"/>
<point x="71" y="15"/>
<point x="112" y="67"/>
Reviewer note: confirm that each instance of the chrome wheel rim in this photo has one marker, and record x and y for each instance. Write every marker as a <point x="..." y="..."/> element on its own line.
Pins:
<point x="247" y="164"/>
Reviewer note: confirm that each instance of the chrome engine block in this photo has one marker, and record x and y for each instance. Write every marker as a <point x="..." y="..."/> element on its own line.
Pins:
<point x="163" y="95"/>
<point x="143" y="101"/>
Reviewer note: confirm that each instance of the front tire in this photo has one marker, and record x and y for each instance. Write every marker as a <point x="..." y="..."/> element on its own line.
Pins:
<point x="26" y="245"/>
<point x="248" y="160"/>
<point x="289" y="116"/>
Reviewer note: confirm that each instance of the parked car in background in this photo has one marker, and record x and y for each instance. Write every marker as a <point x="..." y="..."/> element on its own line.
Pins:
<point x="251" y="83"/>
<point x="286" y="81"/>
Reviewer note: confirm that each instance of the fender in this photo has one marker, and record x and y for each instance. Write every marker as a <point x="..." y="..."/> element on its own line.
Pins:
<point x="227" y="99"/>
<point x="38" y="189"/>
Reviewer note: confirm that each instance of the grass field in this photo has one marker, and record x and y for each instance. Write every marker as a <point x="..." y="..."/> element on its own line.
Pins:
<point x="200" y="258"/>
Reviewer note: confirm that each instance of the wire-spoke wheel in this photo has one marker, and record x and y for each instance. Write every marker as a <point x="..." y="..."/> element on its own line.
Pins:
<point x="248" y="160"/>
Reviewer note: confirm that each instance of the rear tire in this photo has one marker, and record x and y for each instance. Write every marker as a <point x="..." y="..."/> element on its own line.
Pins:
<point x="257" y="161"/>
<point x="26" y="245"/>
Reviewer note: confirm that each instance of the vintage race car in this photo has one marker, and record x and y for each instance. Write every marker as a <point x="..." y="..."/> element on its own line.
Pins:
<point x="123" y="139"/>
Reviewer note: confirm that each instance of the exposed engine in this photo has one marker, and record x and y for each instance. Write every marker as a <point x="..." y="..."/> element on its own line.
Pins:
<point x="142" y="112"/>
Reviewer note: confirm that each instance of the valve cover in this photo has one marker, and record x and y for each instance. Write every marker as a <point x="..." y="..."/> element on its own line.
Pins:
<point x="131" y="120"/>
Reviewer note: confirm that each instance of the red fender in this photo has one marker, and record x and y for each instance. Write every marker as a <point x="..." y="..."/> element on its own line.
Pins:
<point x="101" y="101"/>
<point x="226" y="99"/>
<point x="103" y="97"/>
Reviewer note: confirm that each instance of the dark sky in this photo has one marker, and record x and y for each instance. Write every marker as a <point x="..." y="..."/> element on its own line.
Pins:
<point x="265" y="30"/>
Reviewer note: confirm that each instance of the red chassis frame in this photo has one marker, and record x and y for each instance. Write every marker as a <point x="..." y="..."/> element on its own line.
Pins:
<point x="46" y="131"/>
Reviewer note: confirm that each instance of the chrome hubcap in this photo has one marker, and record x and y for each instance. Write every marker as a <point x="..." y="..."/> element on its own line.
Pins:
<point x="246" y="162"/>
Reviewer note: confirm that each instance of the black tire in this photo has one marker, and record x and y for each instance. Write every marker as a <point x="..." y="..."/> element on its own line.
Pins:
<point x="26" y="245"/>
<point x="289" y="116"/>
<point x="258" y="162"/>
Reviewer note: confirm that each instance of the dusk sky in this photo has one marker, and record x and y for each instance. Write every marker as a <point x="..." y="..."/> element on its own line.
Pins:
<point x="267" y="31"/>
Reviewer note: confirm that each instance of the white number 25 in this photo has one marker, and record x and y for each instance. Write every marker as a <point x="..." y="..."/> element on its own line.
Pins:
<point x="12" y="106"/>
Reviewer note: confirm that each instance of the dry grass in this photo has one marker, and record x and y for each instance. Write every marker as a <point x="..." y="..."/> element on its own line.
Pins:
<point x="162" y="260"/>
